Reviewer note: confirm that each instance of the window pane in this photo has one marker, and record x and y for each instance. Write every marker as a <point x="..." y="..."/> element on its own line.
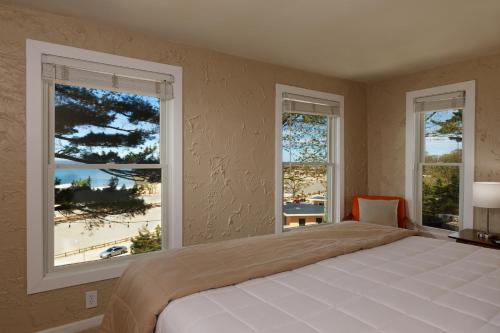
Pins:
<point x="305" y="138"/>
<point x="443" y="136"/>
<point x="441" y="197"/>
<point x="103" y="126"/>
<point x="304" y="195"/>
<point x="100" y="214"/>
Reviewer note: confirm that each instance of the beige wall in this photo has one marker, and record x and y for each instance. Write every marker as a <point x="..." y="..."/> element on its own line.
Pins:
<point x="386" y="124"/>
<point x="228" y="143"/>
<point x="228" y="148"/>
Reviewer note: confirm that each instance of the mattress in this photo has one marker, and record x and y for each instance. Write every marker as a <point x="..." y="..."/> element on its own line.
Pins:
<point x="415" y="284"/>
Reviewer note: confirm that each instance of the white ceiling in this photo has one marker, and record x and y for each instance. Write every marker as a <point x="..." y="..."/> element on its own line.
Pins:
<point x="356" y="39"/>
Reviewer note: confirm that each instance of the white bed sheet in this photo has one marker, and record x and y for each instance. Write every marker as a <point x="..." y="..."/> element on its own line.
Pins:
<point x="417" y="284"/>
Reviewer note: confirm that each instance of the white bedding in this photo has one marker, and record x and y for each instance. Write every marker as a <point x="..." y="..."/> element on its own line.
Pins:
<point x="417" y="284"/>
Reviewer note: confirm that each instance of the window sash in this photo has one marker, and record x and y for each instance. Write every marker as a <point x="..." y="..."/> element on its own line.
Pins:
<point x="420" y="163"/>
<point x="49" y="110"/>
<point x="330" y="185"/>
<point x="330" y="164"/>
<point x="412" y="147"/>
<point x="108" y="166"/>
<point x="420" y="140"/>
<point x="331" y="120"/>
<point x="50" y="166"/>
<point x="419" y="180"/>
<point x="308" y="164"/>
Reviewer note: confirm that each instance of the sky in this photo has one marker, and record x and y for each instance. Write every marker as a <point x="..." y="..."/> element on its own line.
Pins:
<point x="433" y="145"/>
<point x="440" y="145"/>
<point x="99" y="178"/>
<point x="120" y="122"/>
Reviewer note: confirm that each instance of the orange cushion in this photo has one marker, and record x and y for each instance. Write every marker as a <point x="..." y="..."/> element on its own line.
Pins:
<point x="401" y="207"/>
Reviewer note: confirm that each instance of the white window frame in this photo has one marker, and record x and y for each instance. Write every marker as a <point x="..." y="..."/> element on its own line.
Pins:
<point x="411" y="159"/>
<point x="337" y="204"/>
<point x="38" y="277"/>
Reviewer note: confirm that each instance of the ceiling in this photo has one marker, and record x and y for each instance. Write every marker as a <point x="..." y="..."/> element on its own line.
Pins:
<point x="363" y="40"/>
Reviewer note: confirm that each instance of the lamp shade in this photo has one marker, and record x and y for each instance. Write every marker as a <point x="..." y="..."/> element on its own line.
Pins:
<point x="486" y="195"/>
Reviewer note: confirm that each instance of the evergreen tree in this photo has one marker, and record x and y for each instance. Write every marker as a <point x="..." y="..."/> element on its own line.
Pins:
<point x="86" y="129"/>
<point x="305" y="136"/>
<point x="100" y="126"/>
<point x="441" y="184"/>
<point x="452" y="127"/>
<point x="304" y="140"/>
<point x="94" y="205"/>
<point x="146" y="241"/>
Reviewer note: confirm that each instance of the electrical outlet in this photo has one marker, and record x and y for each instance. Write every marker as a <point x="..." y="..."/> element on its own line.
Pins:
<point x="91" y="299"/>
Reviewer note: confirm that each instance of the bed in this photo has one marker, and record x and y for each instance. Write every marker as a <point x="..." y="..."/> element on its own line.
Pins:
<point x="415" y="284"/>
<point x="407" y="284"/>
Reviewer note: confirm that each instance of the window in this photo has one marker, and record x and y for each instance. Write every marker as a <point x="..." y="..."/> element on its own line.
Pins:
<point x="99" y="189"/>
<point x="440" y="155"/>
<point x="308" y="157"/>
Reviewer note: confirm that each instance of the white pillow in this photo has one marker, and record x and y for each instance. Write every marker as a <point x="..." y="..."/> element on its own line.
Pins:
<point x="383" y="212"/>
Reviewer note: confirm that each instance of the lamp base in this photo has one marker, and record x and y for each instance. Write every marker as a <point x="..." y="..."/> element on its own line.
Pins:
<point x="486" y="234"/>
<point x="483" y="235"/>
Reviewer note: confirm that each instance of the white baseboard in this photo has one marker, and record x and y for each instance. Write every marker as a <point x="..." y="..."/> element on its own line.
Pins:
<point x="75" y="327"/>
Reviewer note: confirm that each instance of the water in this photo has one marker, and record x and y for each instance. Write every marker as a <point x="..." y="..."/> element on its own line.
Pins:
<point x="98" y="177"/>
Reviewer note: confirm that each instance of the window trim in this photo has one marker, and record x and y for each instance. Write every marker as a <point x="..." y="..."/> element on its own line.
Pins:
<point x="411" y="155"/>
<point x="338" y="132"/>
<point x="38" y="279"/>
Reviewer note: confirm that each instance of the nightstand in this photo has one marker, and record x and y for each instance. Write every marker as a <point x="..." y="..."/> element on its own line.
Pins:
<point x="469" y="236"/>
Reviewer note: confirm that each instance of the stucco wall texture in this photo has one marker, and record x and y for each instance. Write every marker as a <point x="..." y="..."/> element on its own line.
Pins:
<point x="386" y="104"/>
<point x="228" y="153"/>
<point x="228" y="113"/>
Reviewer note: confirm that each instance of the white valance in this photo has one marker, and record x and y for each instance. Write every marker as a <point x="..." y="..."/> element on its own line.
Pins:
<point x="92" y="75"/>
<point x="310" y="105"/>
<point x="454" y="100"/>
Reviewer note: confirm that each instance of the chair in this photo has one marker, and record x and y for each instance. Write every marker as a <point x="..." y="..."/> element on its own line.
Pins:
<point x="403" y="221"/>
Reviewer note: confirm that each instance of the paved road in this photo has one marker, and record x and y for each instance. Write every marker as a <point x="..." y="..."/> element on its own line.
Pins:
<point x="74" y="236"/>
<point x="87" y="256"/>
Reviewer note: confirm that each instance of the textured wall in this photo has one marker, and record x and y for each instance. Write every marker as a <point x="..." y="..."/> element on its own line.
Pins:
<point x="386" y="105"/>
<point x="228" y="148"/>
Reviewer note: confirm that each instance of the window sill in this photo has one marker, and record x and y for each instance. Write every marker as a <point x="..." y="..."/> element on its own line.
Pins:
<point x="82" y="273"/>
<point x="305" y="227"/>
<point x="438" y="233"/>
<point x="70" y="277"/>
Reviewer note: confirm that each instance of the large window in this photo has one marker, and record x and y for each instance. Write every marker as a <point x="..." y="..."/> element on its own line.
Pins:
<point x="441" y="169"/>
<point x="106" y="159"/>
<point x="309" y="153"/>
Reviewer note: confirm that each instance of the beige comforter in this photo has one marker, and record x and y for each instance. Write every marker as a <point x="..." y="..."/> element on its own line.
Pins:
<point x="148" y="285"/>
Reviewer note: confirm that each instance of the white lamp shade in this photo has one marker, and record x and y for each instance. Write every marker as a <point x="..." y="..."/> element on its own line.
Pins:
<point x="486" y="194"/>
